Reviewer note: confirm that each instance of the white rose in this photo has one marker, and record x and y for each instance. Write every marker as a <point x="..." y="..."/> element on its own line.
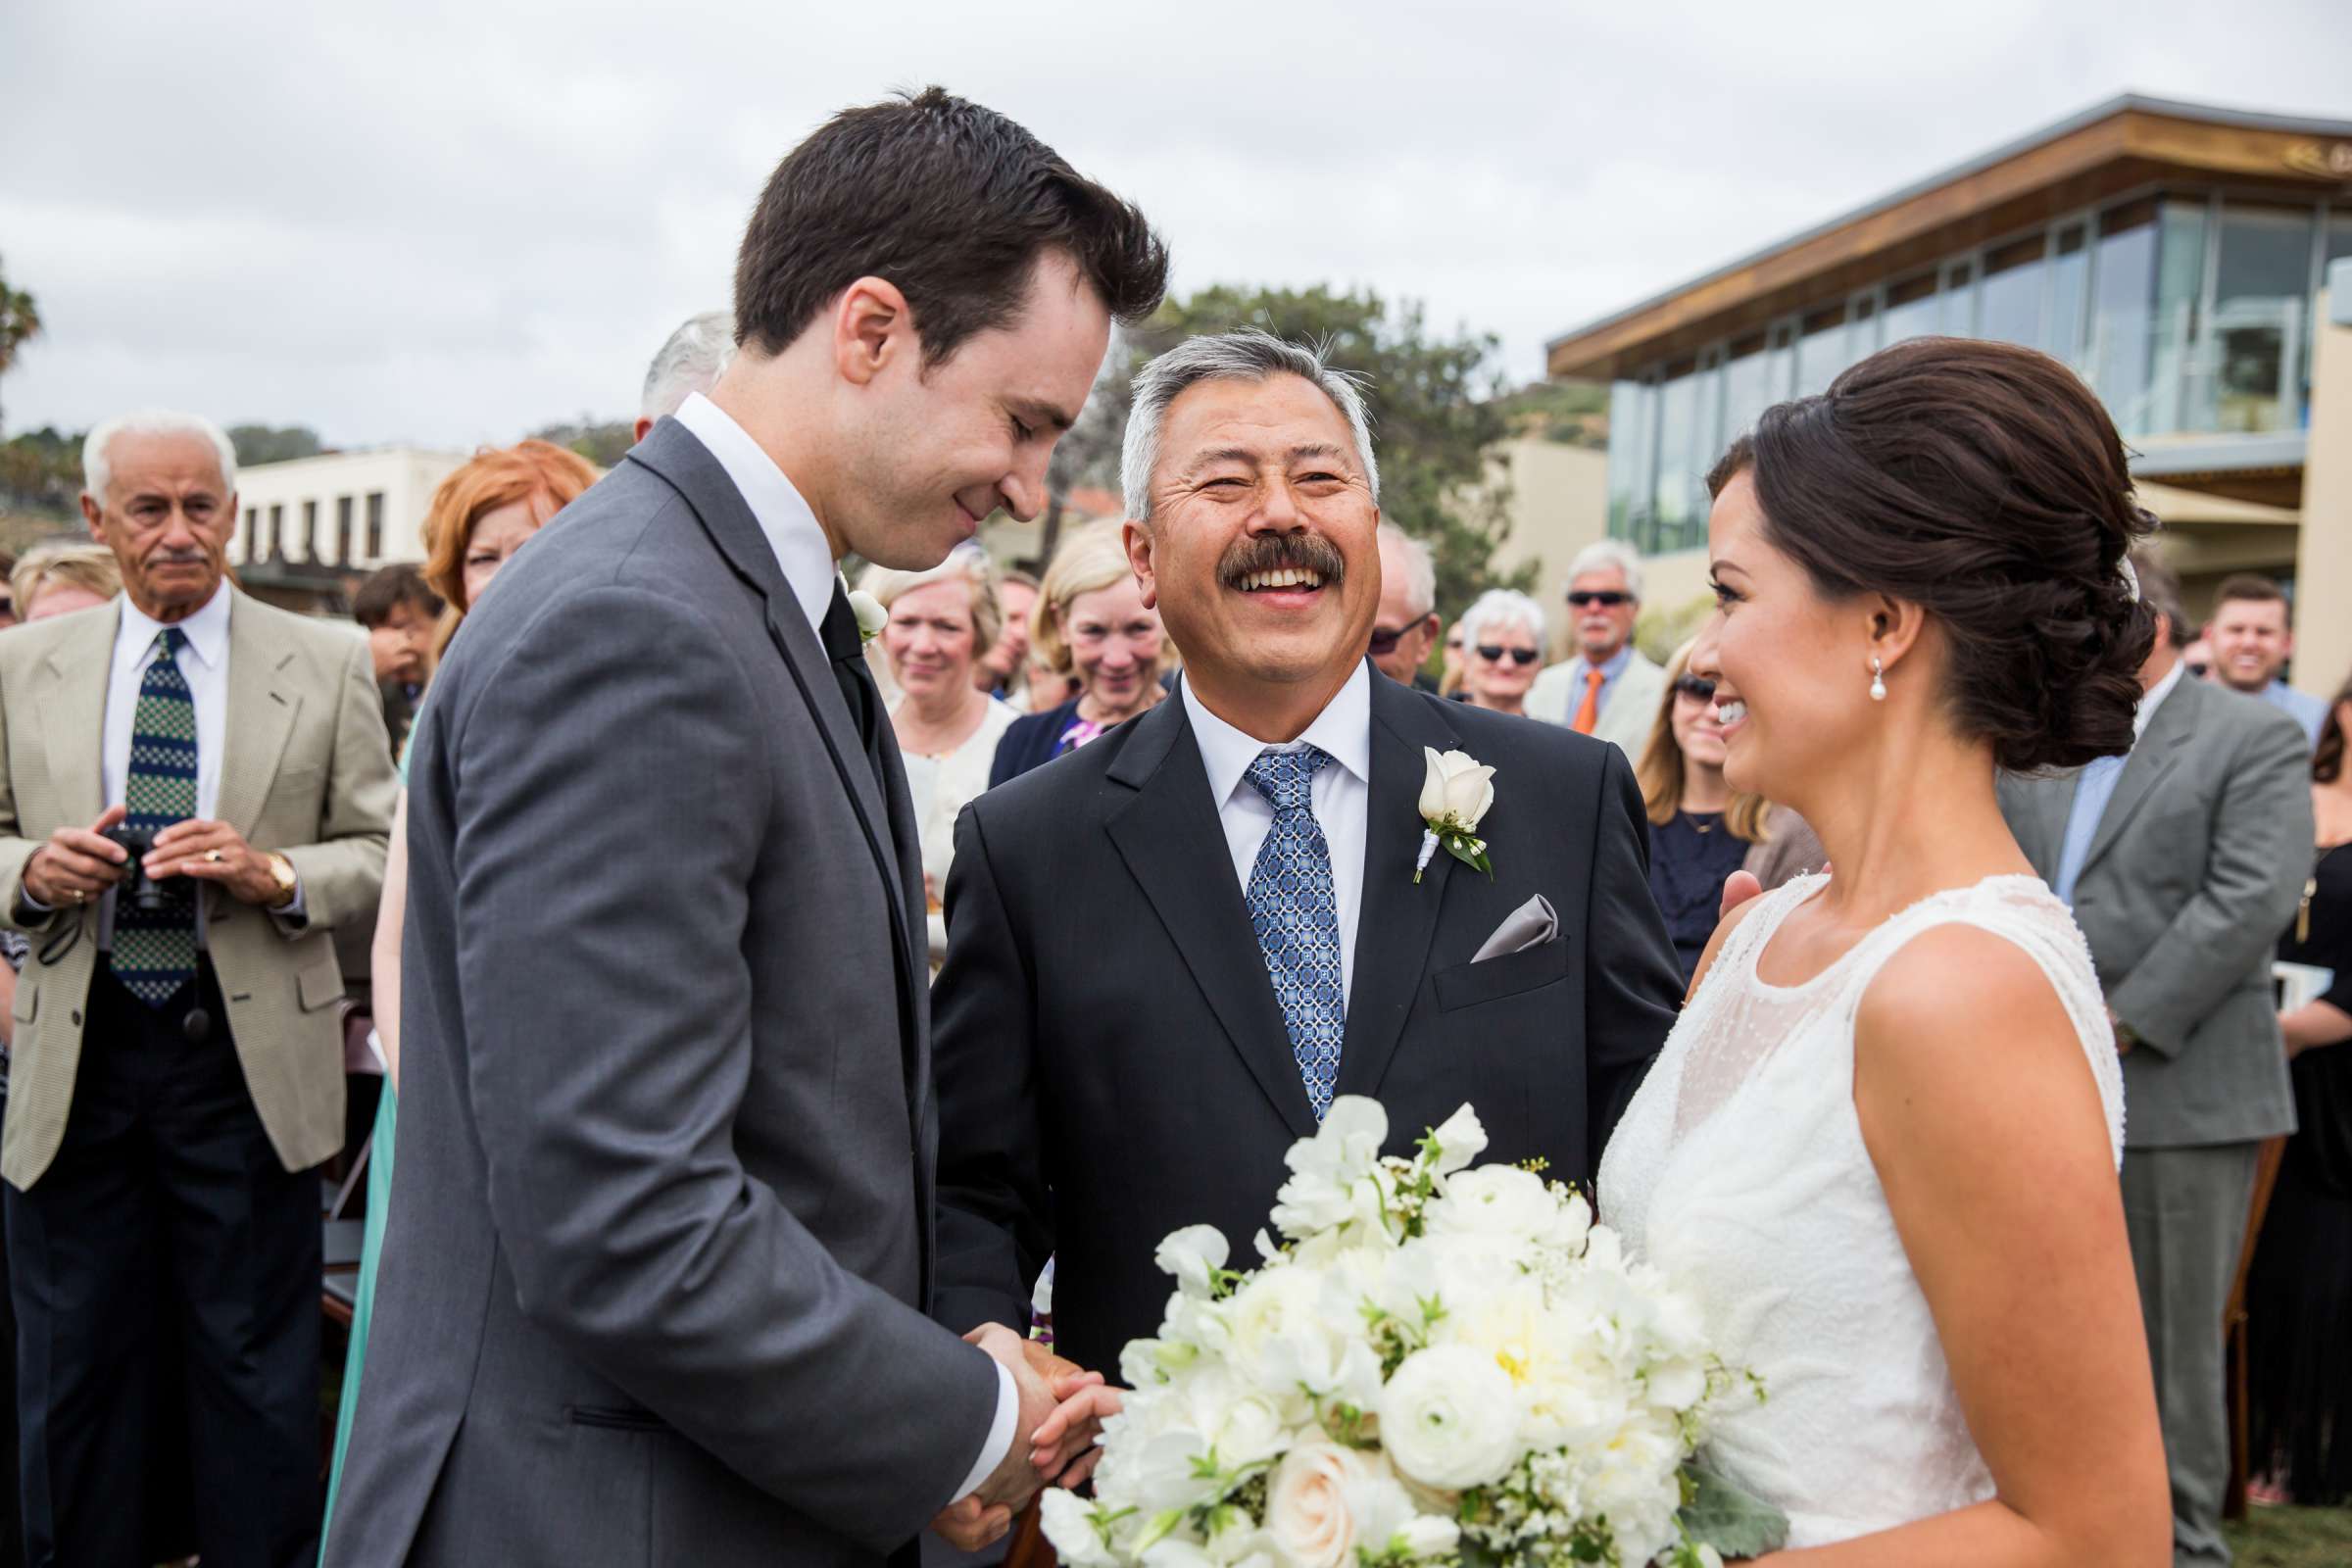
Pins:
<point x="1450" y="1419"/>
<point x="1069" y="1524"/>
<point x="1461" y="1138"/>
<point x="1192" y="1254"/>
<point x="1324" y="1500"/>
<point x="1457" y="789"/>
<point x="871" y="616"/>
<point x="1494" y="1203"/>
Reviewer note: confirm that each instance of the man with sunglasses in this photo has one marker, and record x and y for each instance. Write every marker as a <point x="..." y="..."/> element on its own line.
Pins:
<point x="1607" y="689"/>
<point x="1405" y="626"/>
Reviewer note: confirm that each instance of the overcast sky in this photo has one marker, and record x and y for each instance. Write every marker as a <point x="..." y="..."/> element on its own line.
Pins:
<point x="452" y="220"/>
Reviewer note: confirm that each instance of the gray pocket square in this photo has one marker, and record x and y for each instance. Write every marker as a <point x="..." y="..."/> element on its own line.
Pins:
<point x="1530" y="925"/>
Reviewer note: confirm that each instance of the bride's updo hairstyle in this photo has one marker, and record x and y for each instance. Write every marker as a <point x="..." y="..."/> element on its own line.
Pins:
<point x="1985" y="483"/>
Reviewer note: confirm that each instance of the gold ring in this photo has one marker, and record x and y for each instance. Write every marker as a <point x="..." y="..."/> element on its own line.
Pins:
<point x="213" y="856"/>
<point x="79" y="896"/>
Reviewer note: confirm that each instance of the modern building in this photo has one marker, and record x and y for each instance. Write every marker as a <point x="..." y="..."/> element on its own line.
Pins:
<point x="310" y="528"/>
<point x="2172" y="253"/>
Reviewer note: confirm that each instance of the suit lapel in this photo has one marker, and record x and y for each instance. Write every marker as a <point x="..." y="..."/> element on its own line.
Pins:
<point x="1400" y="918"/>
<point x="1174" y="844"/>
<point x="262" y="710"/>
<point x="672" y="451"/>
<point x="2151" y="760"/>
<point x="73" y="709"/>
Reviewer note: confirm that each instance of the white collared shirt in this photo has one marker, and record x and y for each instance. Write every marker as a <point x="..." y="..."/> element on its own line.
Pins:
<point x="1343" y="794"/>
<point x="2153" y="699"/>
<point x="810" y="571"/>
<point x="202" y="664"/>
<point x="792" y="529"/>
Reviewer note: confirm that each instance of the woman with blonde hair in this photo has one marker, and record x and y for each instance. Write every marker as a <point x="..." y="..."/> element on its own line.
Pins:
<point x="61" y="576"/>
<point x="1701" y="829"/>
<point x="482" y="513"/>
<point x="1091" y="623"/>
<point x="941" y="621"/>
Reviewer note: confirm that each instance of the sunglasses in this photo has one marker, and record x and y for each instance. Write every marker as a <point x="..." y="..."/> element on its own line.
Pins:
<point x="1697" y="688"/>
<point x="1494" y="655"/>
<point x="1609" y="597"/>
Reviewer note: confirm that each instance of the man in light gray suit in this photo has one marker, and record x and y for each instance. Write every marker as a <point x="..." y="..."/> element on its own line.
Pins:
<point x="654" y="1283"/>
<point x="2182" y="864"/>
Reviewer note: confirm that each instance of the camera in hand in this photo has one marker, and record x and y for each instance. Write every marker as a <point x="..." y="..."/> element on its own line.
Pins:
<point x="141" y="891"/>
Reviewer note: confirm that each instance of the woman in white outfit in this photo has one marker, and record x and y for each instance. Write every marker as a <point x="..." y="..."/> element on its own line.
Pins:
<point x="1882" y="1143"/>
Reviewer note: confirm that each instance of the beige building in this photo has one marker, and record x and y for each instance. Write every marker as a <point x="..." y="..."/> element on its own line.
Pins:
<point x="2172" y="253"/>
<point x="310" y="528"/>
<point x="1559" y="504"/>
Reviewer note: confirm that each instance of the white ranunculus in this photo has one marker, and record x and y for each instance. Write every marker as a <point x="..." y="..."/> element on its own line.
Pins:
<point x="1192" y="1254"/>
<point x="1455" y="790"/>
<point x="1461" y="1138"/>
<point x="1069" y="1524"/>
<point x="1324" y="1501"/>
<point x="1169" y="1551"/>
<point x="1431" y="1535"/>
<point x="1497" y="1203"/>
<point x="1450" y="1419"/>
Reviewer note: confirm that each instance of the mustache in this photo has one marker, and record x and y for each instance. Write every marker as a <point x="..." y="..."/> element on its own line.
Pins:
<point x="1277" y="552"/>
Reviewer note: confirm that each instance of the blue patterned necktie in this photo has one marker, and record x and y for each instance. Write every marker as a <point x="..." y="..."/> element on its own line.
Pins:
<point x="155" y="953"/>
<point x="1297" y="918"/>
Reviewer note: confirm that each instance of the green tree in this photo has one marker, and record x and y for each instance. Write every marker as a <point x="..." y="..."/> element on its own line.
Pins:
<point x="20" y="323"/>
<point x="1433" y="402"/>
<point x="257" y="444"/>
<point x="603" y="443"/>
<point x="40" y="471"/>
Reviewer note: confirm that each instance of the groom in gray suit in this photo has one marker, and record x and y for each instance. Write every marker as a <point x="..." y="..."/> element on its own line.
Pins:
<point x="2182" y="864"/>
<point x="661" y="1239"/>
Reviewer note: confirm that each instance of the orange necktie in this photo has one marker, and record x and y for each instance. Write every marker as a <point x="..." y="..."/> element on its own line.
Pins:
<point x="1588" y="715"/>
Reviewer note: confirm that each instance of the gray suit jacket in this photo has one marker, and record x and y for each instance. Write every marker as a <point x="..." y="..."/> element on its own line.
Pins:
<point x="661" y="1234"/>
<point x="2196" y="870"/>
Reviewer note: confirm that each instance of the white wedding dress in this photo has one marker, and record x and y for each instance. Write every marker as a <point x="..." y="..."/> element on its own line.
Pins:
<point x="1740" y="1168"/>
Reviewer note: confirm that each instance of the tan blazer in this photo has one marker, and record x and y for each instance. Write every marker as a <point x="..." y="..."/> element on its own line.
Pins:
<point x="1626" y="717"/>
<point x="308" y="773"/>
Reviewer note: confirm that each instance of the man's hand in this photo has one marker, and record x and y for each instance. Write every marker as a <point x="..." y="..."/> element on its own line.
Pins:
<point x="969" y="1524"/>
<point x="76" y="865"/>
<point x="215" y="851"/>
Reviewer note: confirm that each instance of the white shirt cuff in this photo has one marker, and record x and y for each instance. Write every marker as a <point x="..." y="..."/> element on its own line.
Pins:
<point x="294" y="919"/>
<point x="999" y="1433"/>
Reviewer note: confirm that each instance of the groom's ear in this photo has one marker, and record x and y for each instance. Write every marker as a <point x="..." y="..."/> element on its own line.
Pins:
<point x="872" y="326"/>
<point x="1138" y="560"/>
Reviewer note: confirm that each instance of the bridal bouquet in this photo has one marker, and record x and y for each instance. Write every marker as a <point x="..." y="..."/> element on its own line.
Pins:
<point x="1440" y="1365"/>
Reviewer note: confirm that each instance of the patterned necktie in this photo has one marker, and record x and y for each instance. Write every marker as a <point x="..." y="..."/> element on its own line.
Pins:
<point x="1588" y="712"/>
<point x="1297" y="918"/>
<point x="155" y="953"/>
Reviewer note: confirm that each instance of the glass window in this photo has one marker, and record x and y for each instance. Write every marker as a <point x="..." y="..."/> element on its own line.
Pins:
<point x="1911" y="308"/>
<point x="1821" y="349"/>
<point x="1958" y="318"/>
<point x="2123" y="291"/>
<point x="2070" y="270"/>
<point x="2010" y="300"/>
<point x="1679" y="496"/>
<point x="1746" y="386"/>
<point x="2262" y="289"/>
<point x="253" y="530"/>
<point x="1633" y="411"/>
<point x="343" y="530"/>
<point x="2176" y="395"/>
<point x="1862" y="338"/>
<point x="310" y="530"/>
<point x="376" y="525"/>
<point x="277" y="533"/>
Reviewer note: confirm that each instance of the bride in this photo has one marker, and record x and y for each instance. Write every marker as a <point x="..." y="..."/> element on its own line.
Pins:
<point x="1882" y="1143"/>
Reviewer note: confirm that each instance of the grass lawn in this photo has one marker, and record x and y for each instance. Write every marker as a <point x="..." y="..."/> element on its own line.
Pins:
<point x="2293" y="1537"/>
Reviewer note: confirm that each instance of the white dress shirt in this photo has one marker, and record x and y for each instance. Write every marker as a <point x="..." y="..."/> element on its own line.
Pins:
<point x="810" y="571"/>
<point x="202" y="664"/>
<point x="1343" y="794"/>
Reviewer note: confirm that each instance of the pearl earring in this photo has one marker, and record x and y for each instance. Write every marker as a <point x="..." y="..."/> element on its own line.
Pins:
<point x="1878" y="680"/>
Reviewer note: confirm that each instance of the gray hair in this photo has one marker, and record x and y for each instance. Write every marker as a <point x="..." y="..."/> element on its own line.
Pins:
<point x="1420" y="566"/>
<point x="1501" y="606"/>
<point x="1248" y="355"/>
<point x="1609" y="554"/>
<point x="97" y="473"/>
<point x="690" y="362"/>
<point x="964" y="565"/>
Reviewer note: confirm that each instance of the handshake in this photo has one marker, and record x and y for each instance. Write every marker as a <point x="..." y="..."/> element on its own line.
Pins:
<point x="1062" y="1408"/>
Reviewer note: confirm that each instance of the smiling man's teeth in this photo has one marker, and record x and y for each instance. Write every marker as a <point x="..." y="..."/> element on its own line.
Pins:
<point x="1288" y="578"/>
<point x="1730" y="712"/>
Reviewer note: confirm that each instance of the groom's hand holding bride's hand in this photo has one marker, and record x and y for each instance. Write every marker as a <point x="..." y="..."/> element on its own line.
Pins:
<point x="1044" y="1383"/>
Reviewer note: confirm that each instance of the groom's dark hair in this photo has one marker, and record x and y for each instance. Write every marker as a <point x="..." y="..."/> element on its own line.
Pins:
<point x="948" y="200"/>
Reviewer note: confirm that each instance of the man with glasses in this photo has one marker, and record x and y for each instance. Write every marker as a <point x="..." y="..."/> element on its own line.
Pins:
<point x="1607" y="689"/>
<point x="1407" y="625"/>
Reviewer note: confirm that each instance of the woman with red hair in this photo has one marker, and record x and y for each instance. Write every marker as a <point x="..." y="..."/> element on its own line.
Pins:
<point x="481" y="515"/>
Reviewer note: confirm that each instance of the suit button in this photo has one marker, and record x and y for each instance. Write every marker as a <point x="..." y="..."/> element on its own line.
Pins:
<point x="77" y="1020"/>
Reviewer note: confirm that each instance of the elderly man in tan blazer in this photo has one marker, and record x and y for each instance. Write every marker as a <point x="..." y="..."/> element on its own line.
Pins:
<point x="178" y="1065"/>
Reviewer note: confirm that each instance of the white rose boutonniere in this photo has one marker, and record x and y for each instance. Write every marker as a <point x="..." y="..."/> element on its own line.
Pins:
<point x="871" y="616"/>
<point x="1455" y="796"/>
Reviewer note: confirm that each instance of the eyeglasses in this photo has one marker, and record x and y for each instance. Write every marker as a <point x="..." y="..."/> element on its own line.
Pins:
<point x="1385" y="641"/>
<point x="1494" y="655"/>
<point x="1608" y="597"/>
<point x="1697" y="688"/>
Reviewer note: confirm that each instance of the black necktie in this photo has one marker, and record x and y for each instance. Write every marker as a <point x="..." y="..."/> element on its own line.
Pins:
<point x="839" y="632"/>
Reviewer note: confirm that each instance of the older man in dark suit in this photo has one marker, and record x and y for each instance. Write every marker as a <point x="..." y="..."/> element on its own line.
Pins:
<point x="1171" y="949"/>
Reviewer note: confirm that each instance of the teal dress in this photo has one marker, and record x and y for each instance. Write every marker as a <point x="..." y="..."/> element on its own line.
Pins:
<point x="371" y="1252"/>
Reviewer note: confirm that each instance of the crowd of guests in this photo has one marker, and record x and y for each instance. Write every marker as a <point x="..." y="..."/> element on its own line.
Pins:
<point x="2225" y="842"/>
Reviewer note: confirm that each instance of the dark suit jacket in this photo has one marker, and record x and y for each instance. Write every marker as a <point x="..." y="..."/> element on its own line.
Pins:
<point x="1112" y="1063"/>
<point x="652" y="1288"/>
<point x="1028" y="742"/>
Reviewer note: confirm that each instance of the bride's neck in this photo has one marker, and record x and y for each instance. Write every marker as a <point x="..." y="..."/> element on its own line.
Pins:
<point x="1913" y="816"/>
